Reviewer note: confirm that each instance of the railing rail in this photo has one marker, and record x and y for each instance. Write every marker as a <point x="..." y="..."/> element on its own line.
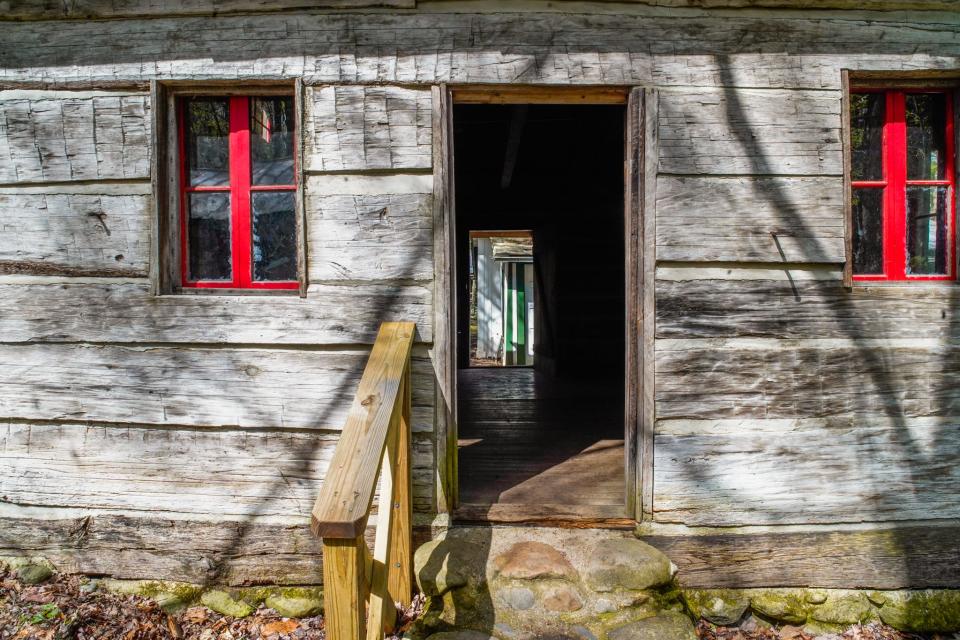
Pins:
<point x="360" y="590"/>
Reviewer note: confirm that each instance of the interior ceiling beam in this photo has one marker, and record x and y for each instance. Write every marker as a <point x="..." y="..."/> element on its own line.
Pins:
<point x="517" y="120"/>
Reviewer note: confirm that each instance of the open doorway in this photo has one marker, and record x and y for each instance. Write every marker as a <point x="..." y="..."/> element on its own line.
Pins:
<point x="502" y="299"/>
<point x="540" y="282"/>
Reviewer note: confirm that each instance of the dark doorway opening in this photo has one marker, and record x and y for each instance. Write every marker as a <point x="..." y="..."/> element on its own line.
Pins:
<point x="548" y="437"/>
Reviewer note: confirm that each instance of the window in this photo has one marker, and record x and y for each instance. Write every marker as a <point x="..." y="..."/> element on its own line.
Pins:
<point x="903" y="185"/>
<point x="238" y="220"/>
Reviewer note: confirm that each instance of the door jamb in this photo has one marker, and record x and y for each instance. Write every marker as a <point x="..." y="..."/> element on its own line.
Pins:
<point x="639" y="233"/>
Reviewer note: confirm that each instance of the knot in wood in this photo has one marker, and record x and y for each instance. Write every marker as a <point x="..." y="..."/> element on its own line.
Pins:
<point x="368" y="400"/>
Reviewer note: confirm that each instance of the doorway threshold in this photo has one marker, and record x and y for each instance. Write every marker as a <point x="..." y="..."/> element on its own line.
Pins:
<point x="545" y="515"/>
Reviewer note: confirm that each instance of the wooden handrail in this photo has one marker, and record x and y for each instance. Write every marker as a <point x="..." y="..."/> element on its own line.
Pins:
<point x="360" y="590"/>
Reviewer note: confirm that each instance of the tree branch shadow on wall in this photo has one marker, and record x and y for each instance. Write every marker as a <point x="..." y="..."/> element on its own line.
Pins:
<point x="904" y="449"/>
<point x="216" y="559"/>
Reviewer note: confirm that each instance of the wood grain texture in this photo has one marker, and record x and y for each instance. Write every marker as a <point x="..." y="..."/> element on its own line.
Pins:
<point x="911" y="557"/>
<point x="77" y="233"/>
<point x="705" y="379"/>
<point x="649" y="302"/>
<point x="130" y="546"/>
<point x="750" y="132"/>
<point x="845" y="469"/>
<point x="51" y="137"/>
<point x="400" y="574"/>
<point x="177" y="472"/>
<point x="127" y="312"/>
<point x="444" y="261"/>
<point x="641" y="47"/>
<point x="346" y="588"/>
<point x="51" y="9"/>
<point x="342" y="508"/>
<point x="750" y="219"/>
<point x="236" y="387"/>
<point x="353" y="128"/>
<point x="248" y="551"/>
<point x="803" y="309"/>
<point x="78" y="9"/>
<point x="636" y="209"/>
<point x="370" y="237"/>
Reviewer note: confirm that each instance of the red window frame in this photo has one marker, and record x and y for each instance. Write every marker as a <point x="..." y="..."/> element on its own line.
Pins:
<point x="895" y="183"/>
<point x="240" y="189"/>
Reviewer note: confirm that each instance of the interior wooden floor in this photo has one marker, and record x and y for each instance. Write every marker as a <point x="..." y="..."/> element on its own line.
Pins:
<point x="534" y="447"/>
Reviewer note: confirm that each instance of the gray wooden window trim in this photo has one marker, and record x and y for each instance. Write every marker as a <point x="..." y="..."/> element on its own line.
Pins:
<point x="165" y="259"/>
<point x="847" y="202"/>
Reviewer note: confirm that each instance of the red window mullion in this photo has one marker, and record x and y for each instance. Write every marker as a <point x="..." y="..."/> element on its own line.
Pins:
<point x="240" y="198"/>
<point x="895" y="173"/>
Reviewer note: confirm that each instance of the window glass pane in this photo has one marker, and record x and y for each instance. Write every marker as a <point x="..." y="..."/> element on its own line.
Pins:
<point x="926" y="230"/>
<point x="271" y="140"/>
<point x="274" y="236"/>
<point x="208" y="141"/>
<point x="926" y="136"/>
<point x="208" y="242"/>
<point x="867" y="112"/>
<point x="868" y="231"/>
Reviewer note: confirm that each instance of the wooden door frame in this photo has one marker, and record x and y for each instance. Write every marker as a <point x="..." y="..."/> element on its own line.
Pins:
<point x="639" y="185"/>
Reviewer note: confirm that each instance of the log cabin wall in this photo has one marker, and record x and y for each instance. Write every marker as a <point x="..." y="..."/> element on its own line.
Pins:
<point x="185" y="436"/>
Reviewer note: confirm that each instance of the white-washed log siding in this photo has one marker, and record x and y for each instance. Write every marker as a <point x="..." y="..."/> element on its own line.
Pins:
<point x="769" y="219"/>
<point x="762" y="378"/>
<point x="726" y="130"/>
<point x="55" y="137"/>
<point x="210" y="473"/>
<point x="354" y="128"/>
<point x="75" y="233"/>
<point x="173" y="385"/>
<point x="728" y="472"/>
<point x="68" y="311"/>
<point x="370" y="237"/>
<point x="590" y="47"/>
<point x="804" y="309"/>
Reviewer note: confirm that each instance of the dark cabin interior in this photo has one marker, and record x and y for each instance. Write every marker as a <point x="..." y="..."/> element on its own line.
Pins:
<point x="546" y="437"/>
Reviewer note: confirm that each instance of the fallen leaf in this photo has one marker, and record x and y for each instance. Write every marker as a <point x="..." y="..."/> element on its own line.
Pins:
<point x="196" y="615"/>
<point x="789" y="632"/>
<point x="279" y="626"/>
<point x="174" y="628"/>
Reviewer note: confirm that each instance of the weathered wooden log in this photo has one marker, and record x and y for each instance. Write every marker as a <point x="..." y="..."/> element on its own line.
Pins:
<point x="598" y="47"/>
<point x="178" y="472"/>
<point x="750" y="219"/>
<point x="181" y="385"/>
<point x="63" y="136"/>
<point x="357" y="128"/>
<point x="83" y="310"/>
<point x="845" y="469"/>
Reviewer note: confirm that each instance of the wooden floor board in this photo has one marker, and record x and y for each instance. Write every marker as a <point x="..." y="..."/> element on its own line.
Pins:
<point x="540" y="445"/>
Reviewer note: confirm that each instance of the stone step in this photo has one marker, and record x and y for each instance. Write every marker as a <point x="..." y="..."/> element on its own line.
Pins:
<point x="521" y="583"/>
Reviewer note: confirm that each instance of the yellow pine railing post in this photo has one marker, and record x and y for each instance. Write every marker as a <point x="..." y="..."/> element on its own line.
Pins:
<point x="360" y="590"/>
